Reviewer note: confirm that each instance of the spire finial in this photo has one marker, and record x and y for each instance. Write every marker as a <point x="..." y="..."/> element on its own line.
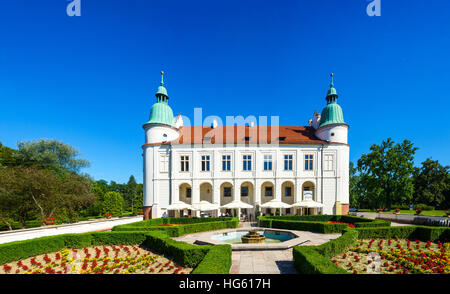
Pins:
<point x="331" y="75"/>
<point x="162" y="78"/>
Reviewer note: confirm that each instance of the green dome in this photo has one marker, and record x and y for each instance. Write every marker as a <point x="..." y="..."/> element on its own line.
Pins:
<point x="331" y="114"/>
<point x="161" y="113"/>
<point x="162" y="91"/>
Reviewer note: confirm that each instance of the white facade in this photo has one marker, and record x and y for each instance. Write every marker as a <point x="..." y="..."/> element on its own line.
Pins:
<point x="181" y="167"/>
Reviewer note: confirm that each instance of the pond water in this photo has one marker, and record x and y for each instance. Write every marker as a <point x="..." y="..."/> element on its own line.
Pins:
<point x="235" y="237"/>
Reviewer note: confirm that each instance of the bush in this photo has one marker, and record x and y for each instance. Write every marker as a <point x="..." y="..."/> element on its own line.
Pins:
<point x="423" y="207"/>
<point x="112" y="202"/>
<point x="186" y="225"/>
<point x="316" y="223"/>
<point x="423" y="233"/>
<point x="316" y="259"/>
<point x="217" y="261"/>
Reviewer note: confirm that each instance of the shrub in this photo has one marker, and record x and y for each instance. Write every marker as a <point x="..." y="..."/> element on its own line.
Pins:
<point x="316" y="259"/>
<point x="112" y="202"/>
<point x="316" y="223"/>
<point x="217" y="261"/>
<point x="184" y="253"/>
<point x="423" y="233"/>
<point x="423" y="207"/>
<point x="186" y="225"/>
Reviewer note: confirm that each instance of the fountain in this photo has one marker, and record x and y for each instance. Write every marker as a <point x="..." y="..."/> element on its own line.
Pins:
<point x="253" y="237"/>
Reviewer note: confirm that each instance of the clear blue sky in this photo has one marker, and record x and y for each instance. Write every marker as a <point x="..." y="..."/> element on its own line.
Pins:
<point x="89" y="81"/>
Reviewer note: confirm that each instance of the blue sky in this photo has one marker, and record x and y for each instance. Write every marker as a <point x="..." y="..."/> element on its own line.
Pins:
<point x="89" y="81"/>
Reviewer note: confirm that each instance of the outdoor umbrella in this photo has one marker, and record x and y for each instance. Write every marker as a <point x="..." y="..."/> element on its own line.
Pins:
<point x="236" y="204"/>
<point x="205" y="206"/>
<point x="308" y="204"/>
<point x="275" y="203"/>
<point x="179" y="206"/>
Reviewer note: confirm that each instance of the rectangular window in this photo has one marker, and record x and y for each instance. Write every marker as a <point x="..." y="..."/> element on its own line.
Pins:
<point x="267" y="162"/>
<point x="288" y="191"/>
<point x="247" y="162"/>
<point x="226" y="162"/>
<point x="244" y="191"/>
<point x="164" y="163"/>
<point x="184" y="163"/>
<point x="328" y="162"/>
<point x="227" y="191"/>
<point x="288" y="161"/>
<point x="188" y="192"/>
<point x="268" y="191"/>
<point x="309" y="162"/>
<point x="205" y="163"/>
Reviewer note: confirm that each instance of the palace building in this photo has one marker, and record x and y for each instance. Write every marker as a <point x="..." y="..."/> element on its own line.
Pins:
<point x="250" y="170"/>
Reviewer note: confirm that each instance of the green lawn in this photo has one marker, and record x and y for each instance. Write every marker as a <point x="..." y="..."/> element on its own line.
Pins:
<point x="424" y="212"/>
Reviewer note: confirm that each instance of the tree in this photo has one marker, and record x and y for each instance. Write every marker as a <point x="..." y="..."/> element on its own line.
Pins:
<point x="43" y="192"/>
<point x="353" y="187"/>
<point x="112" y="203"/>
<point x="386" y="173"/>
<point x="7" y="156"/>
<point x="50" y="154"/>
<point x="130" y="194"/>
<point x="432" y="184"/>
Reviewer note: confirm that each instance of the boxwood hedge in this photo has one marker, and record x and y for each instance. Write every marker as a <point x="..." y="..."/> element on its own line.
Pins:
<point x="185" y="225"/>
<point x="316" y="223"/>
<point x="317" y="259"/>
<point x="186" y="254"/>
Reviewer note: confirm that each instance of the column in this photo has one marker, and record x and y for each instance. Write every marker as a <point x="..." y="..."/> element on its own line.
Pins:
<point x="196" y="196"/>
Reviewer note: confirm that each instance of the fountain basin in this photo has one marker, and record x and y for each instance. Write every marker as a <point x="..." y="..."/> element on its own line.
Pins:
<point x="268" y="236"/>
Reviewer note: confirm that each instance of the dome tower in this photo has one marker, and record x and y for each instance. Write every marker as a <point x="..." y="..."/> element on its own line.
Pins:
<point x="332" y="127"/>
<point x="160" y="127"/>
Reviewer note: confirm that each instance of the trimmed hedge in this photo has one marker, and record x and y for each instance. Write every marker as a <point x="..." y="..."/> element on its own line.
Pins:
<point x="423" y="233"/>
<point x="186" y="225"/>
<point x="316" y="259"/>
<point x="316" y="223"/>
<point x="217" y="261"/>
<point x="187" y="254"/>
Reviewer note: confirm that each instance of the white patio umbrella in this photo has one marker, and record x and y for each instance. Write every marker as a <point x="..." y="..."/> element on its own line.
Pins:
<point x="275" y="203"/>
<point x="205" y="206"/>
<point x="308" y="204"/>
<point x="180" y="205"/>
<point x="236" y="204"/>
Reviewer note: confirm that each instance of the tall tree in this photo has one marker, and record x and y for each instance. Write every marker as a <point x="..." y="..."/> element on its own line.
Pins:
<point x="46" y="192"/>
<point x="432" y="184"/>
<point x="386" y="173"/>
<point x="7" y="156"/>
<point x="131" y="193"/>
<point x="50" y="154"/>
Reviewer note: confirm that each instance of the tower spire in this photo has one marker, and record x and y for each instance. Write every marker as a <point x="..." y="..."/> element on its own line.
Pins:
<point x="332" y="93"/>
<point x="161" y="94"/>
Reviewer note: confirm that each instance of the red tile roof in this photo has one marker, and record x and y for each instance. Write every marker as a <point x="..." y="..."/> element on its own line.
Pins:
<point x="248" y="135"/>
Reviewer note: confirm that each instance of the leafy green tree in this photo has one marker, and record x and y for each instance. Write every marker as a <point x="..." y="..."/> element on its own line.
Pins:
<point x="386" y="173"/>
<point x="7" y="156"/>
<point x="112" y="203"/>
<point x="130" y="194"/>
<point x="353" y="187"/>
<point x="43" y="192"/>
<point x="50" y="154"/>
<point x="432" y="184"/>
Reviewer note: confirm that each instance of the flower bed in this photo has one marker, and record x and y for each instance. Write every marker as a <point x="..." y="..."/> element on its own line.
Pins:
<point x="121" y="259"/>
<point x="395" y="256"/>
